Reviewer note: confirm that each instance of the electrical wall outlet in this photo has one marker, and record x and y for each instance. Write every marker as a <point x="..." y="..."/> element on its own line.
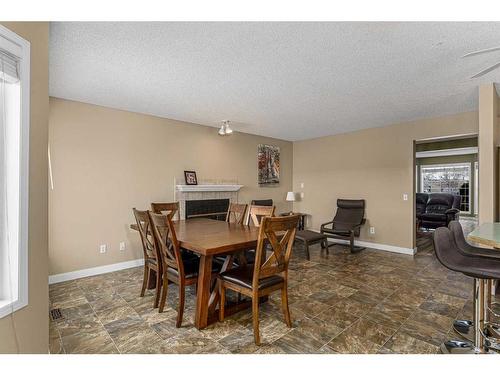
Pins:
<point x="405" y="197"/>
<point x="302" y="185"/>
<point x="102" y="249"/>
<point x="302" y="195"/>
<point x="122" y="246"/>
<point x="372" y="230"/>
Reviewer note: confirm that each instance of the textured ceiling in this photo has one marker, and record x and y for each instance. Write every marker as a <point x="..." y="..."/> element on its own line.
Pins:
<point x="286" y="80"/>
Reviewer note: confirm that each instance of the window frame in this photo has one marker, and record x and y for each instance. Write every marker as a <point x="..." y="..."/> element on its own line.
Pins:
<point x="444" y="165"/>
<point x="21" y="48"/>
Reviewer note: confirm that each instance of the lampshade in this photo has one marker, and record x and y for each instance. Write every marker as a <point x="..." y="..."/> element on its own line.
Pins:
<point x="290" y="196"/>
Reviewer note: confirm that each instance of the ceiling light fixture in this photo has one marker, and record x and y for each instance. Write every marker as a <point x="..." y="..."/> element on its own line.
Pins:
<point x="225" y="129"/>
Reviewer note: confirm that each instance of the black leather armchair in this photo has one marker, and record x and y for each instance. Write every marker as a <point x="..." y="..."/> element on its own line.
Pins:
<point x="441" y="208"/>
<point x="347" y="222"/>
<point x="421" y="203"/>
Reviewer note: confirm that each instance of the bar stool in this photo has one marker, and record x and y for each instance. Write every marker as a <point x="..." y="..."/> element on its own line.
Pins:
<point x="481" y="269"/>
<point x="465" y="327"/>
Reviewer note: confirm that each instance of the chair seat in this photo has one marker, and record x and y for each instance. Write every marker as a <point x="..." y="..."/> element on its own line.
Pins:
<point x="243" y="276"/>
<point x="337" y="231"/>
<point x="429" y="216"/>
<point x="192" y="265"/>
<point x="190" y="270"/>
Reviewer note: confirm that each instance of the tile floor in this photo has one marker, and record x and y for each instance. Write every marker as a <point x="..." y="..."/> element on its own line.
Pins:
<point x="370" y="302"/>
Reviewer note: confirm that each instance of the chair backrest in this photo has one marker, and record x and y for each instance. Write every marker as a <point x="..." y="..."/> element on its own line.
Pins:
<point x="236" y="213"/>
<point x="421" y="202"/>
<point x="269" y="263"/>
<point x="438" y="203"/>
<point x="149" y="247"/>
<point x="350" y="212"/>
<point x="458" y="236"/>
<point x="166" y="239"/>
<point x="445" y="248"/>
<point x="166" y="208"/>
<point x="256" y="213"/>
<point x="262" y="202"/>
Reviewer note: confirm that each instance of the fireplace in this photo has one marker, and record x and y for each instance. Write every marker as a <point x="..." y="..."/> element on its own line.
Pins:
<point x="207" y="208"/>
<point x="196" y="194"/>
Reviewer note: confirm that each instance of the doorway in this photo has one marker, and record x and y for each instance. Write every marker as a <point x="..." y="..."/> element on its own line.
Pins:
<point x="446" y="177"/>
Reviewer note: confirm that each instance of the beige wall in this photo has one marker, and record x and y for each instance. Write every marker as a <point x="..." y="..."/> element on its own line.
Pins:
<point x="488" y="141"/>
<point x="30" y="326"/>
<point x="375" y="164"/>
<point x="107" y="161"/>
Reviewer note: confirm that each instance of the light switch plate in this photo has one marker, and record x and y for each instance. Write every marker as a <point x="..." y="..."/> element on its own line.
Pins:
<point x="405" y="197"/>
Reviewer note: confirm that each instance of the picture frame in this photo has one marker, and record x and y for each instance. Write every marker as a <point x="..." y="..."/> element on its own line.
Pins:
<point x="268" y="159"/>
<point x="190" y="178"/>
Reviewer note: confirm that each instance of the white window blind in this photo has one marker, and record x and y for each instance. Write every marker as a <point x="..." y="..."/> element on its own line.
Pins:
<point x="9" y="67"/>
<point x="14" y="168"/>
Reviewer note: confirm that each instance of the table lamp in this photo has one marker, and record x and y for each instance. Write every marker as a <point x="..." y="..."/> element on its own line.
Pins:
<point x="290" y="196"/>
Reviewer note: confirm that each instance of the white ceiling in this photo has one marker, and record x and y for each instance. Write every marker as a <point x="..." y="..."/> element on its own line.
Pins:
<point x="286" y="80"/>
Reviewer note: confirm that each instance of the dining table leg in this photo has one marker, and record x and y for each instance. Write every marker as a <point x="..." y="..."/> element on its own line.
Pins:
<point x="203" y="291"/>
<point x="214" y="296"/>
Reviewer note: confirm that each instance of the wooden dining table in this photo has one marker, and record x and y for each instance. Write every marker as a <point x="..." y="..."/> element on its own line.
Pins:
<point x="487" y="234"/>
<point x="209" y="238"/>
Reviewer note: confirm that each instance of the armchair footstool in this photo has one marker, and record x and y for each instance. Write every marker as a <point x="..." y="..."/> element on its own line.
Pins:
<point x="308" y="237"/>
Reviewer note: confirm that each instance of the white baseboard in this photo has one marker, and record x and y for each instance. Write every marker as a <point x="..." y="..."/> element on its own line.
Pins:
<point x="54" y="279"/>
<point x="377" y="246"/>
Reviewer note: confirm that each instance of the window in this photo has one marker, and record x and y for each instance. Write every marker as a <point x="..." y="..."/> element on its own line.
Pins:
<point x="14" y="168"/>
<point x="448" y="178"/>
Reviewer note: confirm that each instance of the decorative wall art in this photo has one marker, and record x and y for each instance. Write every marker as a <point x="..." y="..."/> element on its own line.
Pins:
<point x="269" y="164"/>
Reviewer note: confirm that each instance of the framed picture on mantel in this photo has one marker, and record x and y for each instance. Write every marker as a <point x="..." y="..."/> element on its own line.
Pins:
<point x="190" y="177"/>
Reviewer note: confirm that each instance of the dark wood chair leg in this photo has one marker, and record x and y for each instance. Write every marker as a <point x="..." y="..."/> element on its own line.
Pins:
<point x="255" y="318"/>
<point x="182" y="296"/>
<point x="158" y="289"/>
<point x="145" y="280"/>
<point x="307" y="250"/>
<point x="222" y="301"/>
<point x="164" y="291"/>
<point x="284" y="305"/>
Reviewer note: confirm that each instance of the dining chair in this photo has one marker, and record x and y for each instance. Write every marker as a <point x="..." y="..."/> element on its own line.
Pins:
<point x="162" y="208"/>
<point x="178" y="266"/>
<point x="254" y="217"/>
<point x="236" y="213"/>
<point x="152" y="257"/>
<point x="256" y="213"/>
<point x="269" y="273"/>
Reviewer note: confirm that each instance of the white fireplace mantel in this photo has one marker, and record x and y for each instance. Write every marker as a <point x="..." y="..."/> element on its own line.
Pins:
<point x="209" y="187"/>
